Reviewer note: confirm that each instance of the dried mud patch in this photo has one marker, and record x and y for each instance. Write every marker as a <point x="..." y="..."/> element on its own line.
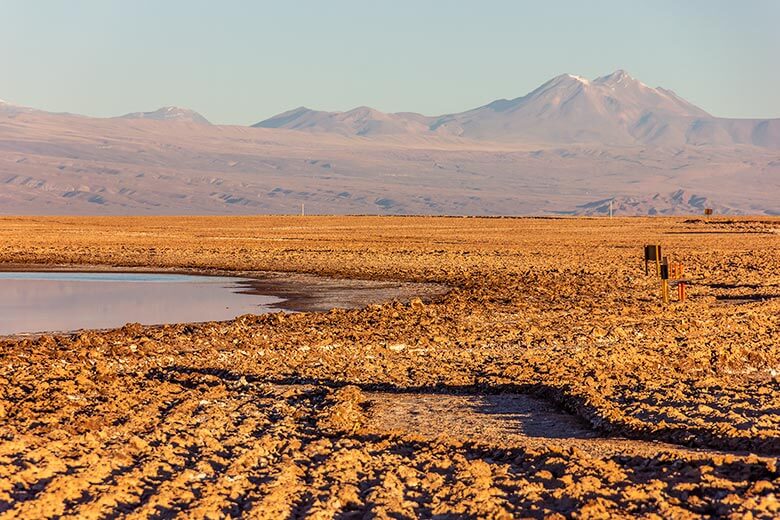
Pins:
<point x="502" y="420"/>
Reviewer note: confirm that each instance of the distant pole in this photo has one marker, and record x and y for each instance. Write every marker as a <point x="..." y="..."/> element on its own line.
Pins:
<point x="303" y="211"/>
<point x="610" y="208"/>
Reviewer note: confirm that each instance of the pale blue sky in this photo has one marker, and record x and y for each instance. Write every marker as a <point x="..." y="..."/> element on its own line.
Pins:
<point x="242" y="61"/>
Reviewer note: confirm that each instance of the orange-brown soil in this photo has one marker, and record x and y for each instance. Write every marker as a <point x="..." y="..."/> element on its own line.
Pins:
<point x="550" y="381"/>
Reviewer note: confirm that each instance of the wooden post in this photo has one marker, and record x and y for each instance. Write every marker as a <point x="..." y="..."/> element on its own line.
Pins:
<point x="653" y="252"/>
<point x="664" y="273"/>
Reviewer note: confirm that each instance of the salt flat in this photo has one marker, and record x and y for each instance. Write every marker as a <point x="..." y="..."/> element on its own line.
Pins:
<point x="548" y="380"/>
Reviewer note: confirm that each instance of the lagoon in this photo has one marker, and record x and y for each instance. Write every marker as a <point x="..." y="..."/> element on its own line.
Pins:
<point x="34" y="302"/>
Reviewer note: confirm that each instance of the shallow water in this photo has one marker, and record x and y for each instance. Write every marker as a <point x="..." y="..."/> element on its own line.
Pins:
<point x="33" y="302"/>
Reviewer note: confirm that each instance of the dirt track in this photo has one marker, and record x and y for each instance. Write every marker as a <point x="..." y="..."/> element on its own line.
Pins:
<point x="283" y="415"/>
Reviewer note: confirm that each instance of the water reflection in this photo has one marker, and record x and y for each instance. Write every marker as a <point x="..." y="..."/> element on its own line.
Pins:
<point x="44" y="301"/>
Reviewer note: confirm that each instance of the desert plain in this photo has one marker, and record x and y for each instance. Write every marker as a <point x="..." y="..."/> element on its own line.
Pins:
<point x="547" y="381"/>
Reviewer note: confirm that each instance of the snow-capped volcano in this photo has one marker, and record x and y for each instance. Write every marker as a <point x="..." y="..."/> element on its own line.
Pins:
<point x="615" y="109"/>
<point x="170" y="114"/>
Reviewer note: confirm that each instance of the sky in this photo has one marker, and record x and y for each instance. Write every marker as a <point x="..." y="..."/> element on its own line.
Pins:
<point x="241" y="61"/>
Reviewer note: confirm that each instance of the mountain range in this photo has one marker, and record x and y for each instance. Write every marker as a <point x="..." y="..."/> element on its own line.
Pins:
<point x="615" y="109"/>
<point x="566" y="148"/>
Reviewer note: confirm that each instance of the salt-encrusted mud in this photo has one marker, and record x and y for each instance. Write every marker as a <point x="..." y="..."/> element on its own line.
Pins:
<point x="384" y="411"/>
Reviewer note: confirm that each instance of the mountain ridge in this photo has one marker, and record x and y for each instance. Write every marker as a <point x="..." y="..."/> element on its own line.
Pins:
<point x="614" y="109"/>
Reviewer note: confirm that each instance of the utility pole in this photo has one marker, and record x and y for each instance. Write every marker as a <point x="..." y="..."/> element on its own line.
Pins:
<point x="303" y="211"/>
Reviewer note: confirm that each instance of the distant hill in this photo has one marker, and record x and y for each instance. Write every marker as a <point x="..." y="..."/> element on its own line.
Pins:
<point x="615" y="109"/>
<point x="170" y="114"/>
<point x="362" y="121"/>
<point x="679" y="202"/>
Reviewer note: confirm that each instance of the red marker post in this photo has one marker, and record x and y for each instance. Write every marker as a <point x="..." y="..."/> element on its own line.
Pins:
<point x="681" y="283"/>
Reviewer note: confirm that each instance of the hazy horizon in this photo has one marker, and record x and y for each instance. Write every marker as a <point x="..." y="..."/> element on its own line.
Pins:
<point x="247" y="61"/>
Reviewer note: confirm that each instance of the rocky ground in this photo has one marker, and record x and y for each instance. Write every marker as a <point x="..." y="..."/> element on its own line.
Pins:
<point x="549" y="381"/>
